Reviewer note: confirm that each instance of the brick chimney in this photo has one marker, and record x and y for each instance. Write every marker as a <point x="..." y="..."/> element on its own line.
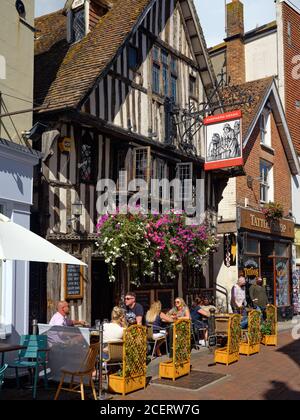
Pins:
<point x="236" y="66"/>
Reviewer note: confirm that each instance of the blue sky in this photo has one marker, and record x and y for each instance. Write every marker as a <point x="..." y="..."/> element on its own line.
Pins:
<point x="211" y="12"/>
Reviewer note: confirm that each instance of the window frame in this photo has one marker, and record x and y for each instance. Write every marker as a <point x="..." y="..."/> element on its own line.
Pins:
<point x="93" y="157"/>
<point x="266" y="184"/>
<point x="74" y="12"/>
<point x="193" y="92"/>
<point x="147" y="172"/>
<point x="185" y="196"/>
<point x="132" y="48"/>
<point x="265" y="128"/>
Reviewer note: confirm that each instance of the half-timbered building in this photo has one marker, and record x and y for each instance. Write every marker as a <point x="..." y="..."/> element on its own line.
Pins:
<point x="108" y="75"/>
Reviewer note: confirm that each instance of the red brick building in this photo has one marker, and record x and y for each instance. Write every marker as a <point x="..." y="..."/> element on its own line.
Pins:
<point x="253" y="245"/>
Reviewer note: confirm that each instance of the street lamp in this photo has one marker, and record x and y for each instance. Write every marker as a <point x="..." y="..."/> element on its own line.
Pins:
<point x="76" y="213"/>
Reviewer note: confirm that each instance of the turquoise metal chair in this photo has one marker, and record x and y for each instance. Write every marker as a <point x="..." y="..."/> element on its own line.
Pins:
<point x="32" y="357"/>
<point x="2" y="370"/>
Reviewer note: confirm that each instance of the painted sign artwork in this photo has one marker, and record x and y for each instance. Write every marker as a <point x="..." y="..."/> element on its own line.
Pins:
<point x="282" y="283"/>
<point x="224" y="148"/>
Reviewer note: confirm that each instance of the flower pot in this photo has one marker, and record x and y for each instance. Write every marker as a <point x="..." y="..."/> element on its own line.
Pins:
<point x="269" y="340"/>
<point x="121" y="385"/>
<point x="248" y="349"/>
<point x="168" y="370"/>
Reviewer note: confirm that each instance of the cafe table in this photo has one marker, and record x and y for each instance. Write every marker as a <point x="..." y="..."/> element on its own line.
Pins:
<point x="6" y="347"/>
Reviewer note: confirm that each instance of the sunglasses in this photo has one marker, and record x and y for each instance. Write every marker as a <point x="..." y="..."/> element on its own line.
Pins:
<point x="177" y="301"/>
<point x="128" y="298"/>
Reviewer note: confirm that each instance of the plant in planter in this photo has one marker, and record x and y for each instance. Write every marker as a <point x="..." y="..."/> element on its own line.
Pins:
<point x="269" y="327"/>
<point x="273" y="211"/>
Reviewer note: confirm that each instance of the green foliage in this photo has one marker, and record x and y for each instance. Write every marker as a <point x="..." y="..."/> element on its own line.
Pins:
<point x="266" y="328"/>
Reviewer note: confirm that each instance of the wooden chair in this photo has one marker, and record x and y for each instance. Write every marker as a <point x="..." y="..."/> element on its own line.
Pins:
<point x="32" y="357"/>
<point x="155" y="341"/>
<point x="132" y="376"/>
<point x="230" y="353"/>
<point x="250" y="343"/>
<point x="115" y="356"/>
<point x="180" y="364"/>
<point x="78" y="376"/>
<point x="272" y="320"/>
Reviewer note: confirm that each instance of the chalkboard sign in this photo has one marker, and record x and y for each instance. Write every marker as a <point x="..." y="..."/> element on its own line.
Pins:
<point x="73" y="282"/>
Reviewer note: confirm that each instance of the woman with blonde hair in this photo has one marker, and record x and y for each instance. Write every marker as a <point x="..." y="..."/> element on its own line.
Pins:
<point x="180" y="310"/>
<point x="157" y="320"/>
<point x="114" y="330"/>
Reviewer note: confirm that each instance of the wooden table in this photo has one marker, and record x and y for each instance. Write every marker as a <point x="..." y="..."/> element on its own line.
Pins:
<point x="4" y="348"/>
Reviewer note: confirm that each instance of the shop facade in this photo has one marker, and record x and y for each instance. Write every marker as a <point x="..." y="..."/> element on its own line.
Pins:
<point x="265" y="250"/>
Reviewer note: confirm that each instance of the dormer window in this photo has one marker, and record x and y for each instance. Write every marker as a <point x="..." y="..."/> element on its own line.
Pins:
<point x="77" y="13"/>
<point x="78" y="25"/>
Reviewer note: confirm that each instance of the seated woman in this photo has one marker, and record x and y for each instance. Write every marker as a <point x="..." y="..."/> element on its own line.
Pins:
<point x="157" y="319"/>
<point x="114" y="330"/>
<point x="200" y="319"/>
<point x="180" y="310"/>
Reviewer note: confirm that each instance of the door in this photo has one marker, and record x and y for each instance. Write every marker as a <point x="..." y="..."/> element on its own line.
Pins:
<point x="102" y="299"/>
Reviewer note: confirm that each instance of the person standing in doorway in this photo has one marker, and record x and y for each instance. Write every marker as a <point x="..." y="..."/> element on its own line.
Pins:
<point x="258" y="295"/>
<point x="134" y="311"/>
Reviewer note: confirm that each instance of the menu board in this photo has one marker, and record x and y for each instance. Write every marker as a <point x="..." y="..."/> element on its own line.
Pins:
<point x="73" y="282"/>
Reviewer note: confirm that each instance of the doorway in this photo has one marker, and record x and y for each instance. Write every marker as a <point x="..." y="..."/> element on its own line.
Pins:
<point x="102" y="298"/>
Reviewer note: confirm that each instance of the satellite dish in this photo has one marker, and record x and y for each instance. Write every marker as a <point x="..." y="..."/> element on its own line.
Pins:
<point x="20" y="8"/>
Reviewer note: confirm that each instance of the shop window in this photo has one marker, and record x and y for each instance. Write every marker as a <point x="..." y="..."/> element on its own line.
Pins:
<point x="281" y="250"/>
<point x="282" y="282"/>
<point x="266" y="182"/>
<point x="252" y="246"/>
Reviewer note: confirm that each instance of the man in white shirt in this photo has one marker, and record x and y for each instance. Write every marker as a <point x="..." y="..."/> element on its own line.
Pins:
<point x="239" y="302"/>
<point x="60" y="319"/>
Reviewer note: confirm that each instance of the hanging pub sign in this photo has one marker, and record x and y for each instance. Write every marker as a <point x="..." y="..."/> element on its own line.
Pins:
<point x="224" y="147"/>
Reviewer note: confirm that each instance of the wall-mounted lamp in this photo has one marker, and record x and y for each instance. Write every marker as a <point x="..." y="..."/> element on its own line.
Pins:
<point x="76" y="213"/>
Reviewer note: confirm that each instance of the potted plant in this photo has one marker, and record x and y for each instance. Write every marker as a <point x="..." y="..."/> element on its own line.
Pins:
<point x="273" y="211"/>
<point x="267" y="333"/>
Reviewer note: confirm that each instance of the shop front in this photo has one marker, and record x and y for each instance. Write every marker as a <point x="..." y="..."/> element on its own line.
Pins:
<point x="265" y="250"/>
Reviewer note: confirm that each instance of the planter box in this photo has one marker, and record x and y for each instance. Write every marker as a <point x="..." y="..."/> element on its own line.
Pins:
<point x="269" y="340"/>
<point x="248" y="350"/>
<point x="124" y="386"/>
<point x="168" y="370"/>
<point x="222" y="357"/>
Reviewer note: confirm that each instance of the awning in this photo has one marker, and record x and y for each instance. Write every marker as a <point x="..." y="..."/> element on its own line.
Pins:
<point x="18" y="243"/>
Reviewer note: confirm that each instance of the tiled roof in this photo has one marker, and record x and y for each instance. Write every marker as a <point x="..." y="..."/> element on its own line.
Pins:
<point x="65" y="73"/>
<point x="257" y="90"/>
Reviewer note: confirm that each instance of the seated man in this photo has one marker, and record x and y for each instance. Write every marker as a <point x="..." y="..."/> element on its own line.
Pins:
<point x="200" y="319"/>
<point x="60" y="318"/>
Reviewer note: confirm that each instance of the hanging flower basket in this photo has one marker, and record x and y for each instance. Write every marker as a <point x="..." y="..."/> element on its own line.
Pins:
<point x="273" y="211"/>
<point x="142" y="242"/>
